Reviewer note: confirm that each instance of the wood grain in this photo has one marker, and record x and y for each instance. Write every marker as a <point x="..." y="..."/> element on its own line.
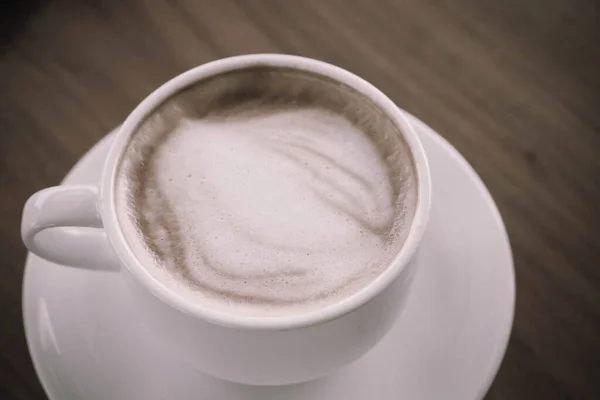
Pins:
<point x="513" y="84"/>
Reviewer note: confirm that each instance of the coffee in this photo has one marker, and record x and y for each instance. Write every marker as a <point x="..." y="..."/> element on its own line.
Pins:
<point x="266" y="191"/>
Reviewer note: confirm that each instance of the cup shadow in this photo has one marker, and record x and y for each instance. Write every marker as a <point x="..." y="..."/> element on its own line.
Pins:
<point x="236" y="391"/>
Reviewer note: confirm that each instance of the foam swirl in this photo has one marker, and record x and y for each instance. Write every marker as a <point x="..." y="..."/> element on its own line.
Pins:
<point x="285" y="209"/>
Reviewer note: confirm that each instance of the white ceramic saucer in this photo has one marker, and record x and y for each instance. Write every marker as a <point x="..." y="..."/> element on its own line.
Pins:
<point x="87" y="342"/>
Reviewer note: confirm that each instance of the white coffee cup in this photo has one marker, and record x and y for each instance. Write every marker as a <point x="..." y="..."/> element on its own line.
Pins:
<point x="57" y="226"/>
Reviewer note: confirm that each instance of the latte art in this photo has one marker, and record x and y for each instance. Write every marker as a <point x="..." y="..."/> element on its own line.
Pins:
<point x="265" y="210"/>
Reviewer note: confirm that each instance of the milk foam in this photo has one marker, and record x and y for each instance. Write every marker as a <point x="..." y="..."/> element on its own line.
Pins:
<point x="270" y="213"/>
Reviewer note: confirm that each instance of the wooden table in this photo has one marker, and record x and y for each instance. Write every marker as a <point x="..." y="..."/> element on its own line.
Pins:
<point x="513" y="84"/>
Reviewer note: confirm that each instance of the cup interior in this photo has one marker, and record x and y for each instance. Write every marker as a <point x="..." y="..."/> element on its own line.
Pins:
<point x="243" y="85"/>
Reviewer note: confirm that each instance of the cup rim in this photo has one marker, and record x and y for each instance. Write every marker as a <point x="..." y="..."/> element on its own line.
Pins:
<point x="314" y="317"/>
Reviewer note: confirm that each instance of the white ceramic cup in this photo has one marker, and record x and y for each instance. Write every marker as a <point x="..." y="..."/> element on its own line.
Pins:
<point x="77" y="226"/>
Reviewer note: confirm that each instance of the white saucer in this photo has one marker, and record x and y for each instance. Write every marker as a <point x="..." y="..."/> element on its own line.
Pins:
<point x="87" y="343"/>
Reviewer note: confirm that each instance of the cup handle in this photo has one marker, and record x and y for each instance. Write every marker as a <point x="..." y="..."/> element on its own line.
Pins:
<point x="62" y="224"/>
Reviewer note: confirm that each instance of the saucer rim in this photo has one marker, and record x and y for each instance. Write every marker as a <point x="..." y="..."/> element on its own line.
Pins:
<point x="422" y="129"/>
<point x="511" y="283"/>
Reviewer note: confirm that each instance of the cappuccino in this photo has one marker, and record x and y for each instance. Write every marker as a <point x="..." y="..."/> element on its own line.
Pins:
<point x="266" y="191"/>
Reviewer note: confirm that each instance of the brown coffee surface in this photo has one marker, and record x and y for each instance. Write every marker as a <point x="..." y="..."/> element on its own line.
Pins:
<point x="266" y="191"/>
